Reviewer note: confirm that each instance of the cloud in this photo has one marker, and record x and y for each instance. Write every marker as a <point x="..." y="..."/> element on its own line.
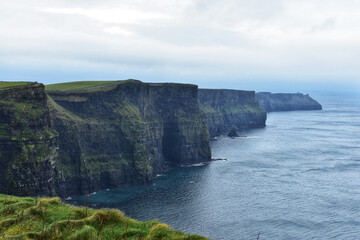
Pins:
<point x="109" y="15"/>
<point x="198" y="40"/>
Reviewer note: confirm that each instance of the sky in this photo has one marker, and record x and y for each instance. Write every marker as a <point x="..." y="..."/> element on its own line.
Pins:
<point x="264" y="45"/>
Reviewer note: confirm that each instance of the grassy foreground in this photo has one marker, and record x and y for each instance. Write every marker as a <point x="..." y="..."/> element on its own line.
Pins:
<point x="49" y="218"/>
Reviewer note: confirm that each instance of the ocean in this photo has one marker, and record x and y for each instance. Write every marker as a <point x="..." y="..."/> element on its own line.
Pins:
<point x="297" y="178"/>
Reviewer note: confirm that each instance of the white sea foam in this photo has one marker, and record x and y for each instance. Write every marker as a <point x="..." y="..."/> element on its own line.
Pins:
<point x="194" y="165"/>
<point x="251" y="137"/>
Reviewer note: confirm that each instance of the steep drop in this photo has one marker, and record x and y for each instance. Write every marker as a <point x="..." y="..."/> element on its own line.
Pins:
<point x="125" y="132"/>
<point x="77" y="141"/>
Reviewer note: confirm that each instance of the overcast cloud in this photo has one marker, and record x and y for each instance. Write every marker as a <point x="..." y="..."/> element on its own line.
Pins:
<point x="234" y="43"/>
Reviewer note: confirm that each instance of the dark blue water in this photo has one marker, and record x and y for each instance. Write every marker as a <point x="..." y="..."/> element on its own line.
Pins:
<point x="298" y="178"/>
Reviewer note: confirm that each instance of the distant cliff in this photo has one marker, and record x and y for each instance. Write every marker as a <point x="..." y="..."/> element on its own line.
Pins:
<point x="230" y="109"/>
<point x="272" y="102"/>
<point x="83" y="140"/>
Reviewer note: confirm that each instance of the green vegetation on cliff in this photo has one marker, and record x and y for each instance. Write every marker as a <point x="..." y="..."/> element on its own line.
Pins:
<point x="76" y="85"/>
<point x="81" y="137"/>
<point x="12" y="84"/>
<point x="49" y="218"/>
<point x="27" y="140"/>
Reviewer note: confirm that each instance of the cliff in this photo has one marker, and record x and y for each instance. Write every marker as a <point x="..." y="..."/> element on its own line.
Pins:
<point x="27" y="140"/>
<point x="82" y="140"/>
<point x="49" y="218"/>
<point x="123" y="133"/>
<point x="272" y="102"/>
<point x="230" y="109"/>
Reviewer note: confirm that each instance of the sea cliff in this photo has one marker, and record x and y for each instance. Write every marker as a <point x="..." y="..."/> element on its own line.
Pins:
<point x="228" y="110"/>
<point x="273" y="102"/>
<point x="78" y="141"/>
<point x="123" y="133"/>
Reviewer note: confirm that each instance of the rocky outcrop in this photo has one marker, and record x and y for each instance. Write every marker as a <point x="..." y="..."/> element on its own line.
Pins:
<point x="273" y="102"/>
<point x="233" y="133"/>
<point x="230" y="109"/>
<point x="28" y="143"/>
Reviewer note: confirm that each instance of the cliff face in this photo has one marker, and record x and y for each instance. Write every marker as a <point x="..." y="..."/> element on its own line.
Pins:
<point x="230" y="109"/>
<point x="124" y="133"/>
<point x="80" y="141"/>
<point x="27" y="141"/>
<point x="272" y="102"/>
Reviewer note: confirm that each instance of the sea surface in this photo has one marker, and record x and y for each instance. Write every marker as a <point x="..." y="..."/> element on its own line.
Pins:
<point x="297" y="178"/>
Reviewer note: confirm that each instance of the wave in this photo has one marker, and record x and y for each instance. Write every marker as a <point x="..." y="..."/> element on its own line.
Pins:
<point x="194" y="165"/>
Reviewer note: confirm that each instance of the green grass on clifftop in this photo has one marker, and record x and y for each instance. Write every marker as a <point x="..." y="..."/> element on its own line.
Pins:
<point x="49" y="218"/>
<point x="76" y="85"/>
<point x="12" y="84"/>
